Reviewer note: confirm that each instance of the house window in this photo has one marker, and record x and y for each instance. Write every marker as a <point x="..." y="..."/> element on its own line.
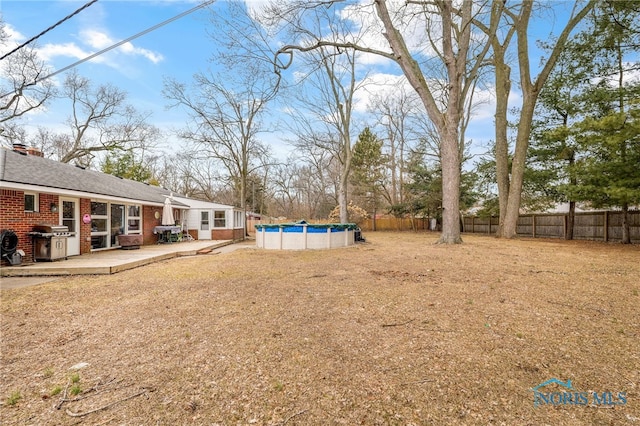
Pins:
<point x="219" y="219"/>
<point x="30" y="202"/>
<point x="238" y="220"/>
<point x="133" y="219"/>
<point x="108" y="220"/>
<point x="99" y="228"/>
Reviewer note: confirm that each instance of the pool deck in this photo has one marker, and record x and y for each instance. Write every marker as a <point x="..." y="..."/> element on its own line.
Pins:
<point x="113" y="261"/>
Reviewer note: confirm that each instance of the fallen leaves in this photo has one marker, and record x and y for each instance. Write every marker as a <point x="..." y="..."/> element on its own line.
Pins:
<point x="395" y="331"/>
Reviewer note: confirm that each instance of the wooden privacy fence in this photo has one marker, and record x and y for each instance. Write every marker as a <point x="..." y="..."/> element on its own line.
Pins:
<point x="597" y="226"/>
<point x="396" y="224"/>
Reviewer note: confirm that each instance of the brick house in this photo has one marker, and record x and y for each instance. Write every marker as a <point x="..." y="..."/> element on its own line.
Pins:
<point x="95" y="206"/>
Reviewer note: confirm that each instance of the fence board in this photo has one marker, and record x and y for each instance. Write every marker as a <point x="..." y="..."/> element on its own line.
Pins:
<point x="396" y="224"/>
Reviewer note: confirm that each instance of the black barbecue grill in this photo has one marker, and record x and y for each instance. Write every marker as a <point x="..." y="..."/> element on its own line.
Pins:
<point x="49" y="242"/>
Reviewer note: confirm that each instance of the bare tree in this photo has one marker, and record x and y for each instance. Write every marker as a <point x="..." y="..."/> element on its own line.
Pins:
<point x="306" y="185"/>
<point x="285" y="191"/>
<point x="20" y="89"/>
<point x="325" y="118"/>
<point x="515" y="20"/>
<point x="14" y="133"/>
<point x="100" y="122"/>
<point x="225" y="124"/>
<point x="404" y="124"/>
<point x="445" y="28"/>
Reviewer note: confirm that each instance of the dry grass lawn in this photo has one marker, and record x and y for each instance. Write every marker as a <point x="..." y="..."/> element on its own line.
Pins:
<point x="397" y="331"/>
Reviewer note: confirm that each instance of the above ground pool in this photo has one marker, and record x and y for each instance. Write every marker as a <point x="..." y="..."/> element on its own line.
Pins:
<point x="302" y="235"/>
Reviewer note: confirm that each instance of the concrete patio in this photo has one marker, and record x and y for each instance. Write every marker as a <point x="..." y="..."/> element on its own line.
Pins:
<point x="112" y="261"/>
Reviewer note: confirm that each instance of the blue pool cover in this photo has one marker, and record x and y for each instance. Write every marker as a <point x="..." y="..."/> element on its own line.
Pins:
<point x="312" y="228"/>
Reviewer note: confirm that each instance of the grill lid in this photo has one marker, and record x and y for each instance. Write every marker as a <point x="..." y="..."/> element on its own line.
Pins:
<point x="51" y="229"/>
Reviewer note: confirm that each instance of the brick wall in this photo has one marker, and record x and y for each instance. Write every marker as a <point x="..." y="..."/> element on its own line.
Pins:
<point x="227" y="234"/>
<point x="13" y="216"/>
<point x="149" y="222"/>
<point x="85" y="228"/>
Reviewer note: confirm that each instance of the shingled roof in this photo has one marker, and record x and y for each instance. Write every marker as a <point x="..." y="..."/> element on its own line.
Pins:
<point x="18" y="167"/>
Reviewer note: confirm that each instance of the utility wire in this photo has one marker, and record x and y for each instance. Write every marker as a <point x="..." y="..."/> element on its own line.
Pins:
<point x="48" y="29"/>
<point x="120" y="43"/>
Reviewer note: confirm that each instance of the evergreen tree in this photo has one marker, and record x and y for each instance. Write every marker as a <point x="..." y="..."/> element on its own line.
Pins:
<point x="423" y="188"/>
<point x="367" y="170"/>
<point x="608" y="175"/>
<point x="125" y="166"/>
<point x="584" y="145"/>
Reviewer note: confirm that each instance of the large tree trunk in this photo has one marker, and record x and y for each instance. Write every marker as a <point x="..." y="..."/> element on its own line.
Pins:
<point x="450" y="190"/>
<point x="346" y="168"/>
<point x="342" y="202"/>
<point x="503" y="88"/>
<point x="448" y="122"/>
<point x="530" y="92"/>
<point x="508" y="228"/>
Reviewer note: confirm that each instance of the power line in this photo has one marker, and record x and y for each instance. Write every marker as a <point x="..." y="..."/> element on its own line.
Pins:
<point x="48" y="29"/>
<point x="120" y="43"/>
<point x="133" y="37"/>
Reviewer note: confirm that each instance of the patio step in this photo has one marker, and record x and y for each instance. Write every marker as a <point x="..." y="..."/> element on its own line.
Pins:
<point x="204" y="251"/>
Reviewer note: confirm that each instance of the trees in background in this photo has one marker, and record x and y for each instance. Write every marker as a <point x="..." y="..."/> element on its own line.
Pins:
<point x="331" y="105"/>
<point x="608" y="137"/>
<point x="305" y="186"/>
<point x="581" y="148"/>
<point x="100" y="122"/>
<point x="588" y="144"/>
<point x="553" y="150"/>
<point x="514" y="21"/>
<point x="442" y="71"/>
<point x="225" y="123"/>
<point x="399" y="122"/>
<point x="328" y="81"/>
<point x="21" y="91"/>
<point x="127" y="167"/>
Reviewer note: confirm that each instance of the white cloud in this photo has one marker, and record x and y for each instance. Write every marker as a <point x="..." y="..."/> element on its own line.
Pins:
<point x="377" y="85"/>
<point x="93" y="41"/>
<point x="96" y="39"/>
<point x="50" y="51"/>
<point x="407" y="19"/>
<point x="13" y="34"/>
<point x="130" y="49"/>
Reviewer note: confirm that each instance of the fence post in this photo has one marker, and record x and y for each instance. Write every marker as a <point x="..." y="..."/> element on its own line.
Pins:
<point x="605" y="234"/>
<point x="490" y="219"/>
<point x="533" y="225"/>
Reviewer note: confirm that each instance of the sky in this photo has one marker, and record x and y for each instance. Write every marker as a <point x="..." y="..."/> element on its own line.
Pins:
<point x="178" y="50"/>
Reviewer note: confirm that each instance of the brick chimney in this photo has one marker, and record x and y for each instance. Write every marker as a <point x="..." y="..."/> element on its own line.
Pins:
<point x="19" y="147"/>
<point x="32" y="150"/>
